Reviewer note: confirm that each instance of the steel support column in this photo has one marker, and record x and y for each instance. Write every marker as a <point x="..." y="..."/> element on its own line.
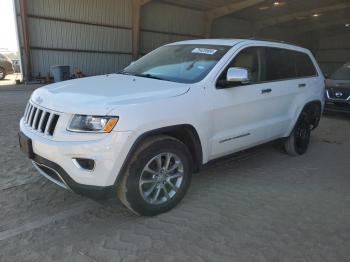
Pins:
<point x="27" y="75"/>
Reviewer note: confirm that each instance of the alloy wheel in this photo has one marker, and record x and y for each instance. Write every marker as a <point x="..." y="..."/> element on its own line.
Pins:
<point x="161" y="178"/>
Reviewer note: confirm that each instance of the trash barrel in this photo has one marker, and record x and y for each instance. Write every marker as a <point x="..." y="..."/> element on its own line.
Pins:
<point x="60" y="72"/>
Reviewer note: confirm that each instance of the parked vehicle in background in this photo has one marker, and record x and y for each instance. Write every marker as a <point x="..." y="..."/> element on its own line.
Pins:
<point x="338" y="90"/>
<point x="141" y="133"/>
<point x="16" y="65"/>
<point x="6" y="67"/>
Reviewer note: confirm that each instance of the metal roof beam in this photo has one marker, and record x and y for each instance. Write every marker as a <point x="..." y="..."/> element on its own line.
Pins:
<point x="211" y="15"/>
<point x="290" y="17"/>
<point x="322" y="25"/>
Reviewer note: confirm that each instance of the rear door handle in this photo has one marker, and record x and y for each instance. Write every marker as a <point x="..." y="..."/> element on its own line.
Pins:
<point x="301" y="85"/>
<point x="265" y="91"/>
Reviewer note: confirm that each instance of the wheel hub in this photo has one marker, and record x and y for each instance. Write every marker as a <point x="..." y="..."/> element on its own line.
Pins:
<point x="161" y="178"/>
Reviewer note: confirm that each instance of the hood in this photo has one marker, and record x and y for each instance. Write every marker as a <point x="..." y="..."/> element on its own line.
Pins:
<point x="98" y="95"/>
<point x="332" y="83"/>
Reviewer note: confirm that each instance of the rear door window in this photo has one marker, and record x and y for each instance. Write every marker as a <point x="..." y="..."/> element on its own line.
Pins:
<point x="305" y="67"/>
<point x="280" y="64"/>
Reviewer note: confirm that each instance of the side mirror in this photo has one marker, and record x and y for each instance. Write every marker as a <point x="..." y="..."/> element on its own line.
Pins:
<point x="234" y="76"/>
<point x="237" y="75"/>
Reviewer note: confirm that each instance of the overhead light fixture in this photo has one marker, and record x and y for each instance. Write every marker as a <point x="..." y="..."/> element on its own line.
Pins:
<point x="347" y="25"/>
<point x="279" y="3"/>
<point x="316" y="15"/>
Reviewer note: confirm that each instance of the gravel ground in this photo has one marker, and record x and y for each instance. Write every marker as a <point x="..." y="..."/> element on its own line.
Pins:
<point x="259" y="205"/>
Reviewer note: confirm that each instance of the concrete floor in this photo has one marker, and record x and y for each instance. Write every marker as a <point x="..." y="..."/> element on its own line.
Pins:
<point x="260" y="205"/>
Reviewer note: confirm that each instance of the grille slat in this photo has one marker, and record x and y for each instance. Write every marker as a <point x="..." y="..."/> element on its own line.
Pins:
<point x="35" y="120"/>
<point x="26" y="111"/>
<point x="44" y="124"/>
<point x="32" y="116"/>
<point x="53" y="124"/>
<point x="40" y="120"/>
<point x="49" y="121"/>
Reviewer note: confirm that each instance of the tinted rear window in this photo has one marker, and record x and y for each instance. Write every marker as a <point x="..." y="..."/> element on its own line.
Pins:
<point x="305" y="67"/>
<point x="280" y="64"/>
<point x="287" y="64"/>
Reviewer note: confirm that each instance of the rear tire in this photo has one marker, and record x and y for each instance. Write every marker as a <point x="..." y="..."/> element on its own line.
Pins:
<point x="298" y="141"/>
<point x="2" y="73"/>
<point x="157" y="177"/>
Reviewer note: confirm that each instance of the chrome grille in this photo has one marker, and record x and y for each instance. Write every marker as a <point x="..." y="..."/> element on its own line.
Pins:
<point x="338" y="93"/>
<point x="40" y="120"/>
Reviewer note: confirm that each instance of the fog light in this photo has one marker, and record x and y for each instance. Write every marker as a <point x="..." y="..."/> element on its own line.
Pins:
<point x="84" y="163"/>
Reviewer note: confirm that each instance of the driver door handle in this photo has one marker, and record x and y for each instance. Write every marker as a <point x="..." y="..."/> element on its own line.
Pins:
<point x="302" y="85"/>
<point x="265" y="91"/>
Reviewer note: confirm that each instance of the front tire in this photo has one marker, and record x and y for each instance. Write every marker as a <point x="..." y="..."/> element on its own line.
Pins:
<point x="157" y="177"/>
<point x="298" y="141"/>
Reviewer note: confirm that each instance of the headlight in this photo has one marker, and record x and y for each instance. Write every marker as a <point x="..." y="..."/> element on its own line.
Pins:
<point x="94" y="124"/>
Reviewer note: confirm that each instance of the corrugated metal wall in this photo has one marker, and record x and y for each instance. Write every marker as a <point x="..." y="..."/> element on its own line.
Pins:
<point x="227" y="27"/>
<point x="95" y="35"/>
<point x="162" y="23"/>
<point x="333" y="51"/>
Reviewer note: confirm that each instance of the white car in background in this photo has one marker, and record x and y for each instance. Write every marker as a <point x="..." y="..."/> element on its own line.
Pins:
<point x="141" y="133"/>
<point x="6" y="67"/>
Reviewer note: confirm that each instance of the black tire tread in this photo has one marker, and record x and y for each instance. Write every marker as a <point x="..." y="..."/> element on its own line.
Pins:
<point x="289" y="144"/>
<point x="122" y="186"/>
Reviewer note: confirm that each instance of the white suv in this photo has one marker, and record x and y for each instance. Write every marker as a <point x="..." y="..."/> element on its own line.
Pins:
<point x="142" y="132"/>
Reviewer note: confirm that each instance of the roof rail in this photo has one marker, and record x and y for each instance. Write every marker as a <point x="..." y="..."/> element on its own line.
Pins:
<point x="271" y="40"/>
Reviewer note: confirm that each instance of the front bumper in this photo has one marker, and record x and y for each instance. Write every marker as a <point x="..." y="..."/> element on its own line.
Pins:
<point x="108" y="151"/>
<point x="59" y="176"/>
<point x="337" y="107"/>
<point x="339" y="104"/>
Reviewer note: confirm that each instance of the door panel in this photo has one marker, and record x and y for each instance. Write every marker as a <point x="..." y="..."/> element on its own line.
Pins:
<point x="247" y="115"/>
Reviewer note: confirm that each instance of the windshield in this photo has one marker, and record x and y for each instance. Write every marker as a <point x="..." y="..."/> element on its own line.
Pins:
<point x="342" y="73"/>
<point x="178" y="63"/>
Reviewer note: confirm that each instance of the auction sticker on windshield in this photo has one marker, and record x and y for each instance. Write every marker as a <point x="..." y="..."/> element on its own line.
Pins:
<point x="206" y="51"/>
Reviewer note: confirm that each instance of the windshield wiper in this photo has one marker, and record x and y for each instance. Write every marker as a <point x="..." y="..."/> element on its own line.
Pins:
<point x="122" y="72"/>
<point x="140" y="75"/>
<point x="149" y="76"/>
